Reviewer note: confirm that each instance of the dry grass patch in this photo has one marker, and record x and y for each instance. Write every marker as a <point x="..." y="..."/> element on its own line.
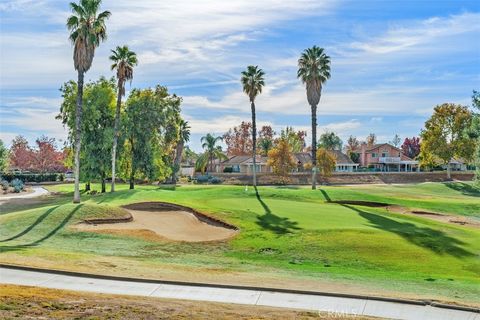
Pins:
<point x="33" y="303"/>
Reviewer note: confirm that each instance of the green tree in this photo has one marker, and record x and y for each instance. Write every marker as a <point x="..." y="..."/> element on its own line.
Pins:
<point x="97" y="133"/>
<point x="352" y="148"/>
<point x="474" y="132"/>
<point x="212" y="152"/>
<point x="150" y="127"/>
<point x="4" y="154"/>
<point x="87" y="30"/>
<point x="97" y="126"/>
<point x="330" y="141"/>
<point x="184" y="137"/>
<point x="314" y="71"/>
<point x="265" y="146"/>
<point x="295" y="139"/>
<point x="123" y="62"/>
<point x="253" y="82"/>
<point x="444" y="135"/>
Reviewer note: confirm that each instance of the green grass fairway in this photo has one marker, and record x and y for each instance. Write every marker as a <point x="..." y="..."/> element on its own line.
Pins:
<point x="289" y="237"/>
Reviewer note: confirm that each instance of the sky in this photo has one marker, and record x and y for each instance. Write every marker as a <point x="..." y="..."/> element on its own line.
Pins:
<point x="391" y="61"/>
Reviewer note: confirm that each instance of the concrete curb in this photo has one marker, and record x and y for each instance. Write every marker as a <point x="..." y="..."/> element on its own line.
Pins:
<point x="250" y="288"/>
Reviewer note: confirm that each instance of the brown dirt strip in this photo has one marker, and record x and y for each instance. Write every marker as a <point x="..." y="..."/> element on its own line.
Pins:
<point x="21" y="302"/>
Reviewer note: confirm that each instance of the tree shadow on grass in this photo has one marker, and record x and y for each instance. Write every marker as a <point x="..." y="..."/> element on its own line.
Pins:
<point x="273" y="222"/>
<point x="46" y="237"/>
<point x="431" y="239"/>
<point x="29" y="228"/>
<point x="325" y="195"/>
<point x="464" y="188"/>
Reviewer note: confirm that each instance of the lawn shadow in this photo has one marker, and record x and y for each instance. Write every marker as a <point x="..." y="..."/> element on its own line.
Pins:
<point x="464" y="188"/>
<point x="29" y="228"/>
<point x="273" y="222"/>
<point x="14" y="205"/>
<point x="325" y="195"/>
<point x="431" y="239"/>
<point x="47" y="236"/>
<point x="107" y="196"/>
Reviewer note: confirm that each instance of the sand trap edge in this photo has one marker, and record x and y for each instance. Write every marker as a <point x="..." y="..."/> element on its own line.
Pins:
<point x="159" y="205"/>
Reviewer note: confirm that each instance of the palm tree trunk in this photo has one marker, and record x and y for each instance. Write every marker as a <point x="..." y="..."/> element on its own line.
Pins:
<point x="449" y="169"/>
<point x="78" y="132"/>
<point x="115" y="134"/>
<point x="178" y="160"/>
<point x="314" y="147"/>
<point x="254" y="144"/>
<point x="132" y="170"/>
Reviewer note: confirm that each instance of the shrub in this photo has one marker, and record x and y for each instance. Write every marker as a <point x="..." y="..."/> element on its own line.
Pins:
<point x="215" y="180"/>
<point x="17" y="185"/>
<point x="203" y="179"/>
<point x="208" y="179"/>
<point x="33" y="177"/>
<point x="5" y="185"/>
<point x="228" y="169"/>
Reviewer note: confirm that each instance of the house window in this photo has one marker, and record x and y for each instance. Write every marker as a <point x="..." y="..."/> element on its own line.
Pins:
<point x="236" y="168"/>
<point x="374" y="155"/>
<point x="384" y="154"/>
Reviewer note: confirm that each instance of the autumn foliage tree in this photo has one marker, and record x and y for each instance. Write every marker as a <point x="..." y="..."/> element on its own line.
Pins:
<point x="371" y="139"/>
<point x="281" y="159"/>
<point x="20" y="154"/>
<point x="444" y="134"/>
<point x="44" y="157"/>
<point x="325" y="162"/>
<point x="240" y="143"/>
<point x="411" y="147"/>
<point x="239" y="139"/>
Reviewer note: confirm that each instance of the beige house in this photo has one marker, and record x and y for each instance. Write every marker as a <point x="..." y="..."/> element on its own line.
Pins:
<point x="244" y="164"/>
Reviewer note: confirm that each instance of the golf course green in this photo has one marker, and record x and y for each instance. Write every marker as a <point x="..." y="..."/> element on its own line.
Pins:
<point x="289" y="237"/>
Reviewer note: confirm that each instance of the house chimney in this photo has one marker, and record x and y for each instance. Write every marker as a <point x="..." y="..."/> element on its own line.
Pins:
<point x="363" y="154"/>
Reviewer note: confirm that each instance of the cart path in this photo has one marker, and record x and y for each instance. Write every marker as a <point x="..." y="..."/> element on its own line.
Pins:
<point x="334" y="304"/>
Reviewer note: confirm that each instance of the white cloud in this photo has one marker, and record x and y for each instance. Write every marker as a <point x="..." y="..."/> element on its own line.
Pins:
<point x="422" y="33"/>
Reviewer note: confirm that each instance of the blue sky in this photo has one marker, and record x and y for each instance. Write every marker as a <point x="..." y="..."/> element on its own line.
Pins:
<point x="392" y="61"/>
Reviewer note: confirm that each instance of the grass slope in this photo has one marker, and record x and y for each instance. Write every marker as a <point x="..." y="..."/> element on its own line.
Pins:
<point x="289" y="237"/>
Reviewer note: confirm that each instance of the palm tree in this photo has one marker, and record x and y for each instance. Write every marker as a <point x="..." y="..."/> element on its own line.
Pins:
<point x="265" y="145"/>
<point x="184" y="137"/>
<point x="253" y="82"/>
<point x="314" y="71"/>
<point x="87" y="30"/>
<point x="123" y="61"/>
<point x="212" y="151"/>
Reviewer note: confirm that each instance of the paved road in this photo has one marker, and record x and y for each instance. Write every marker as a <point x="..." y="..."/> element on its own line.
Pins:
<point x="37" y="192"/>
<point x="312" y="302"/>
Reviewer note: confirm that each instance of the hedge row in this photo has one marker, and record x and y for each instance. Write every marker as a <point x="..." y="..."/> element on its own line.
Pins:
<point x="33" y="177"/>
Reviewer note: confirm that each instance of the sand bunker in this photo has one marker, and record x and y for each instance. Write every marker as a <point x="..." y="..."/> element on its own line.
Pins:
<point x="169" y="221"/>
<point x="465" y="221"/>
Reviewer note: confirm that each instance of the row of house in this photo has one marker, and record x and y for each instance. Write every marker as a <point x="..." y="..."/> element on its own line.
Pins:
<point x="382" y="157"/>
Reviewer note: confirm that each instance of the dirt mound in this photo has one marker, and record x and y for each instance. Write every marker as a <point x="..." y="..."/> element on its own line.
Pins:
<point x="168" y="221"/>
